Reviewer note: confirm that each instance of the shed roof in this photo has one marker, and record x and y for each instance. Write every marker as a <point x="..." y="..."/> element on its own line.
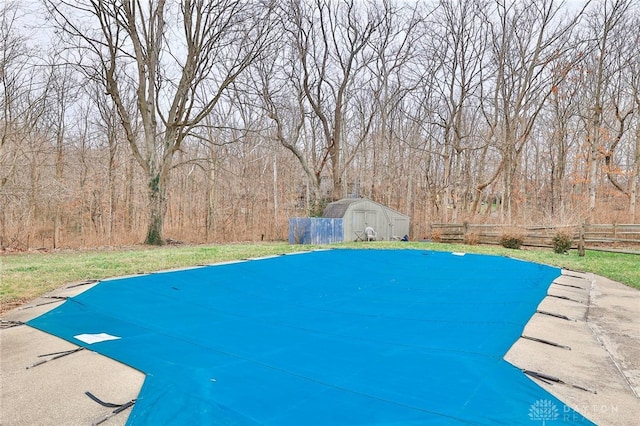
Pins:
<point x="338" y="209"/>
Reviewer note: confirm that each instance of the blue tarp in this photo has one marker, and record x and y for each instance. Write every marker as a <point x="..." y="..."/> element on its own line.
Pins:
<point x="339" y="337"/>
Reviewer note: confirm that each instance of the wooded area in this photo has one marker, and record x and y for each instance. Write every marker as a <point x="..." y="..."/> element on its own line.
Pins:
<point x="216" y="121"/>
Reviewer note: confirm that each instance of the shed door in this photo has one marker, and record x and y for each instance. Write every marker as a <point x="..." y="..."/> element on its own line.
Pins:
<point x="364" y="218"/>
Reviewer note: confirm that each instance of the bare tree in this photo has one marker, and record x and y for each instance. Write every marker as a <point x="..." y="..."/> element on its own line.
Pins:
<point x="386" y="160"/>
<point x="62" y="95"/>
<point x="13" y="120"/>
<point x="334" y="85"/>
<point x="457" y="41"/>
<point x="106" y="122"/>
<point x="282" y="97"/>
<point x="634" y="68"/>
<point x="24" y="90"/>
<point x="527" y="37"/>
<point x="177" y="69"/>
<point x="603" y="20"/>
<point x="562" y="131"/>
<point x="332" y="45"/>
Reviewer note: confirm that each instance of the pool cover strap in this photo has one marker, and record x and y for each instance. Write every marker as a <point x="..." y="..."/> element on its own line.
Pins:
<point x="56" y="299"/>
<point x="4" y="324"/>
<point x="548" y="379"/>
<point x="58" y="355"/>
<point x="118" y="407"/>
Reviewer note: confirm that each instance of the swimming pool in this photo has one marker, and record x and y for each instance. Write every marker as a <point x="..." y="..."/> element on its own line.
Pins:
<point x="343" y="336"/>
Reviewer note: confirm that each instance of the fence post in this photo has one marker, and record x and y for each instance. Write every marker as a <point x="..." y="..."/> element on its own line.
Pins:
<point x="581" y="240"/>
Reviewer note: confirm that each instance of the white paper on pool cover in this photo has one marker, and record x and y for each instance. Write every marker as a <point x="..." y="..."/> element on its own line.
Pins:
<point x="95" y="338"/>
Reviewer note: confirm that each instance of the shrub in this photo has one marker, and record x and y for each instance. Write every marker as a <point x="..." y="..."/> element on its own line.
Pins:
<point x="436" y="236"/>
<point x="511" y="240"/>
<point x="471" y="238"/>
<point x="562" y="242"/>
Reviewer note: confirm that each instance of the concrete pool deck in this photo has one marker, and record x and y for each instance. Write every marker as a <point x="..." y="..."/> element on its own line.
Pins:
<point x="592" y="365"/>
<point x="598" y="357"/>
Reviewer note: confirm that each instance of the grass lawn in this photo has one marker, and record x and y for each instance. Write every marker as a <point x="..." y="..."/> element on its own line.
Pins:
<point x="26" y="276"/>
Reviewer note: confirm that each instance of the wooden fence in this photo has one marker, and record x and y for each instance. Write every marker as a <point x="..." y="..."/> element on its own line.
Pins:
<point x="590" y="235"/>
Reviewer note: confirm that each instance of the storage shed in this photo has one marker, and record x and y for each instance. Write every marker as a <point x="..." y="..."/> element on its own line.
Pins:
<point x="358" y="213"/>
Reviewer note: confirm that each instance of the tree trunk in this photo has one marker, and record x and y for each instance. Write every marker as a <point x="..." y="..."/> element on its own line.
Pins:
<point x="336" y="170"/>
<point x="634" y="177"/>
<point x="593" y="161"/>
<point x="111" y="179"/>
<point x="409" y="200"/>
<point x="157" y="208"/>
<point x="275" y="193"/>
<point x="508" y="182"/>
<point x="129" y="199"/>
<point x="457" y="176"/>
<point x="57" y="220"/>
<point x="211" y="195"/>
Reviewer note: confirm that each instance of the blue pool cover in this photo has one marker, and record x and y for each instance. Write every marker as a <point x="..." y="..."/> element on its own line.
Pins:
<point x="337" y="337"/>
